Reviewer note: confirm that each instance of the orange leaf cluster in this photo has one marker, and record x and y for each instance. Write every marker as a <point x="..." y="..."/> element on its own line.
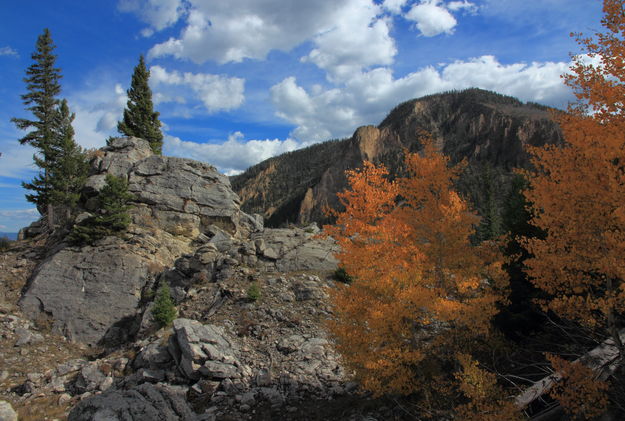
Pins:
<point x="578" y="391"/>
<point x="578" y="190"/>
<point x="420" y="287"/>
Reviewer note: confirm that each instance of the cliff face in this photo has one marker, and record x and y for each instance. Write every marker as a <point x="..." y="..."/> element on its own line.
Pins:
<point x="485" y="128"/>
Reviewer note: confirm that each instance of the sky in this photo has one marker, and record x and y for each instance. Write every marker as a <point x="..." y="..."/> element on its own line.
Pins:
<point x="239" y="81"/>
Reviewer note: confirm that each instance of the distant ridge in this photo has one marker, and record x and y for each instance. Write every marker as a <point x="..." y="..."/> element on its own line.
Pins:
<point x="488" y="129"/>
<point x="9" y="235"/>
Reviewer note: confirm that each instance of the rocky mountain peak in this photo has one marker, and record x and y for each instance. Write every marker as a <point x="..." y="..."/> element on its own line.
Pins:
<point x="481" y="126"/>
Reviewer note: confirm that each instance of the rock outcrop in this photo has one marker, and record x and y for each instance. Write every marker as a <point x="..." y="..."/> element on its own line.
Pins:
<point x="483" y="127"/>
<point x="96" y="294"/>
<point x="145" y="402"/>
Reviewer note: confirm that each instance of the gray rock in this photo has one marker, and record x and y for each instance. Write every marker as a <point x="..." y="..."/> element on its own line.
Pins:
<point x="263" y="377"/>
<point x="70" y="366"/>
<point x="188" y="195"/>
<point x="314" y="348"/>
<point x="90" y="379"/>
<point x="153" y="355"/>
<point x="92" y="293"/>
<point x="290" y="344"/>
<point x="6" y="412"/>
<point x="144" y="402"/>
<point x="219" y="370"/>
<point x="200" y="345"/>
<point x="26" y="337"/>
<point x="308" y="290"/>
<point x="295" y="249"/>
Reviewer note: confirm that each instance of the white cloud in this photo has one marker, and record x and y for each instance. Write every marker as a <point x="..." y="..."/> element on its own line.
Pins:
<point x="359" y="38"/>
<point x="368" y="96"/>
<point x="159" y="14"/>
<point x="8" y="51"/>
<point x="249" y="29"/>
<point x="98" y="109"/>
<point x="217" y="92"/>
<point x="231" y="156"/>
<point x="432" y="18"/>
<point x="394" y="6"/>
<point x="455" y="6"/>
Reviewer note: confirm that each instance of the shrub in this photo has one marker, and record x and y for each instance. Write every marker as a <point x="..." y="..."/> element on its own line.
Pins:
<point x="341" y="275"/>
<point x="253" y="292"/>
<point x="5" y="243"/>
<point x="164" y="311"/>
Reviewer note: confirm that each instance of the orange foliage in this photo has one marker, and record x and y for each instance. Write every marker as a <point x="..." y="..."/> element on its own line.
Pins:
<point x="421" y="291"/>
<point x="578" y="190"/>
<point x="578" y="391"/>
<point x="486" y="398"/>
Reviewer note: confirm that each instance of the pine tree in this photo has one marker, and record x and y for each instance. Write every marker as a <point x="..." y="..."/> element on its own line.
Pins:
<point x="164" y="310"/>
<point x="140" y="119"/>
<point x="42" y="83"/>
<point x="69" y="168"/>
<point x="112" y="217"/>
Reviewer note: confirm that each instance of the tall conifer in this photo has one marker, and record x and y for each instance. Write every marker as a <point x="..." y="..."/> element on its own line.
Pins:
<point x="140" y="119"/>
<point x="69" y="168"/>
<point x="42" y="83"/>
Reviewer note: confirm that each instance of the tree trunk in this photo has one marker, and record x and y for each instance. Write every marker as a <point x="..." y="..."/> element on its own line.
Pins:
<point x="603" y="360"/>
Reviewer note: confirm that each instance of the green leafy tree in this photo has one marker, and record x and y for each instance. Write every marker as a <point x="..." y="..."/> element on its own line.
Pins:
<point x="42" y="83"/>
<point x="140" y="119"/>
<point x="164" y="310"/>
<point x="112" y="217"/>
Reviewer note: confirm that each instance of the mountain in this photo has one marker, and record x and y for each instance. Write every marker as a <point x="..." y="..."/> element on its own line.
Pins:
<point x="487" y="129"/>
<point x="9" y="235"/>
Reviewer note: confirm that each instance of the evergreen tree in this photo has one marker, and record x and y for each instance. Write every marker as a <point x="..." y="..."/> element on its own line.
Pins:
<point x="112" y="217"/>
<point x="491" y="223"/>
<point x="69" y="168"/>
<point x="140" y="119"/>
<point x="42" y="83"/>
<point x="164" y="311"/>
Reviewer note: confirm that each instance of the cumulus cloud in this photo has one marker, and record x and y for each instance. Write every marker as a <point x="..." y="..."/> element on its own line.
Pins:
<point x="238" y="29"/>
<point x="347" y="33"/>
<point x="359" y="38"/>
<point x="366" y="98"/>
<point x="159" y="14"/>
<point x="8" y="51"/>
<point x="394" y="6"/>
<point x="98" y="109"/>
<point x="432" y="18"/>
<point x="217" y="92"/>
<point x="232" y="156"/>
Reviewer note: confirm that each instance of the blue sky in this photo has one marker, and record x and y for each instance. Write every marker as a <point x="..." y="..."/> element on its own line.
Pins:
<point x="239" y="81"/>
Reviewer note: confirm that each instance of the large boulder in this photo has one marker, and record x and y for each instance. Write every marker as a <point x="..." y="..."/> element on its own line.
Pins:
<point x="204" y="350"/>
<point x="296" y="249"/>
<point x="185" y="196"/>
<point x="180" y="196"/>
<point x="91" y="294"/>
<point x="145" y="402"/>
